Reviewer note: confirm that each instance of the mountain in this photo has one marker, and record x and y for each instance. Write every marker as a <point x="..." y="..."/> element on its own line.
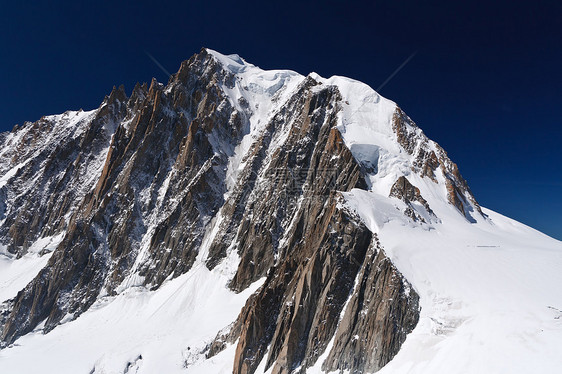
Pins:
<point x="249" y="221"/>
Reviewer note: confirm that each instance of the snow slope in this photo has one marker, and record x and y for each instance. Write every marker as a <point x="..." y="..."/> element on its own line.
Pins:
<point x="16" y="273"/>
<point x="159" y="332"/>
<point x="490" y="292"/>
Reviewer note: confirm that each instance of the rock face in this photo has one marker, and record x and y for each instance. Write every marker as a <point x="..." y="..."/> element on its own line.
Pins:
<point x="52" y="164"/>
<point x="306" y="293"/>
<point x="304" y="296"/>
<point x="161" y="183"/>
<point x="410" y="195"/>
<point x="428" y="157"/>
<point x="225" y="159"/>
<point x="380" y="313"/>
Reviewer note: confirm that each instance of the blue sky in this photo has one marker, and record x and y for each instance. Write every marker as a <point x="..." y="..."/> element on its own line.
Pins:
<point x="485" y="82"/>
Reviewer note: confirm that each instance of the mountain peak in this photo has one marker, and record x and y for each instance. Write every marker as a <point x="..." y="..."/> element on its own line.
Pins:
<point x="249" y="220"/>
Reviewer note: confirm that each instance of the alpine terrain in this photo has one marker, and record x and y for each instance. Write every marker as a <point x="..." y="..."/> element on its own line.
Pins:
<point x="237" y="220"/>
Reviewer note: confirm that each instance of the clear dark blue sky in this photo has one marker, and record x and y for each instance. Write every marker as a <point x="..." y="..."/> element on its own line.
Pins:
<point x="486" y="82"/>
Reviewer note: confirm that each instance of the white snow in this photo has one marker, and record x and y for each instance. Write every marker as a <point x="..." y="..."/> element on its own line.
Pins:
<point x="15" y="274"/>
<point x="11" y="172"/>
<point x="165" y="327"/>
<point x="264" y="91"/>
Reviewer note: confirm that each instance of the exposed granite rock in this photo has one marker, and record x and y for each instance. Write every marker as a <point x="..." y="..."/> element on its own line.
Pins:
<point x="408" y="193"/>
<point x="159" y="155"/>
<point x="58" y="165"/>
<point x="313" y="260"/>
<point x="248" y="196"/>
<point x="312" y="162"/>
<point x="381" y="312"/>
<point x="428" y="158"/>
<point x="296" y="311"/>
<point x="5" y="309"/>
<point x="292" y="318"/>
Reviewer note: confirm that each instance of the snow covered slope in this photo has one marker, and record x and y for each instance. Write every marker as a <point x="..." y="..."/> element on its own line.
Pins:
<point x="261" y="221"/>
<point x="489" y="292"/>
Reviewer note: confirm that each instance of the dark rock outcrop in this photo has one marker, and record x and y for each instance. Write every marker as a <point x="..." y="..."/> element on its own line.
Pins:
<point x="381" y="312"/>
<point x="427" y="161"/>
<point x="315" y="278"/>
<point x="296" y="313"/>
<point x="408" y="193"/>
<point x="57" y="159"/>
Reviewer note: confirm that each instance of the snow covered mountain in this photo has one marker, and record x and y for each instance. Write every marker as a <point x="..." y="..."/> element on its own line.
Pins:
<point x="250" y="221"/>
